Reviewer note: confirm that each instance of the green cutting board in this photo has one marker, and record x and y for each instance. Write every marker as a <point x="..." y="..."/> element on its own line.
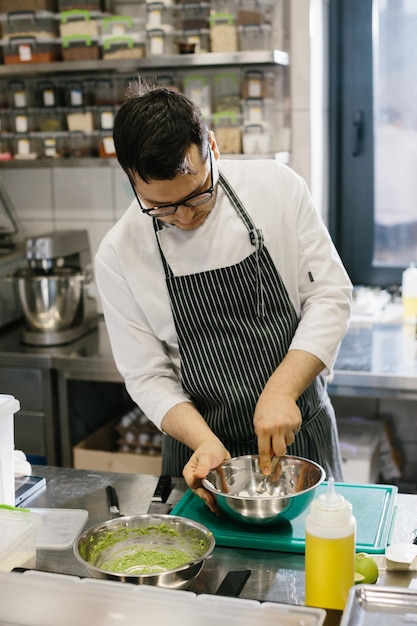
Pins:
<point x="373" y="507"/>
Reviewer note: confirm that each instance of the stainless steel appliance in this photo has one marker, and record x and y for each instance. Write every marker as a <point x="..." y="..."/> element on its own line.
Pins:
<point x="53" y="288"/>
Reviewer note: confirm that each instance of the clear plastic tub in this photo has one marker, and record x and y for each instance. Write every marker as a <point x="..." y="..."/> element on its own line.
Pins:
<point x="77" y="22"/>
<point x="30" y="50"/>
<point x="29" y="24"/>
<point x="161" y="41"/>
<point x="158" y="15"/>
<point x="80" y="48"/>
<point x="200" y="38"/>
<point x="18" y="538"/>
<point x="223" y="33"/>
<point x="197" y="87"/>
<point x="255" y="37"/>
<point x="194" y="16"/>
<point x="25" y="147"/>
<point x="122" y="47"/>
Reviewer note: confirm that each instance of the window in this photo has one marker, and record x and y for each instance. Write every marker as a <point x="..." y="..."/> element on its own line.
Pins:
<point x="373" y="149"/>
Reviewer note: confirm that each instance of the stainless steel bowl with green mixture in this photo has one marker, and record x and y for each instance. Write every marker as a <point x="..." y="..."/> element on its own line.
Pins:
<point x="244" y="494"/>
<point x="161" y="550"/>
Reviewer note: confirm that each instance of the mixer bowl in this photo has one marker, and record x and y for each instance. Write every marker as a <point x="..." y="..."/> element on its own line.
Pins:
<point x="50" y="302"/>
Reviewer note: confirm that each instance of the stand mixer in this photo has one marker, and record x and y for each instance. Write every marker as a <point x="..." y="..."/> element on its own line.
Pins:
<point x="52" y="289"/>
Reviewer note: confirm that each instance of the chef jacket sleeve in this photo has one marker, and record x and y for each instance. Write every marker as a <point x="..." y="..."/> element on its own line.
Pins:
<point x="324" y="287"/>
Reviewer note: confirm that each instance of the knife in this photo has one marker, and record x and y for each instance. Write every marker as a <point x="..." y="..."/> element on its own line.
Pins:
<point x="160" y="496"/>
<point x="113" y="501"/>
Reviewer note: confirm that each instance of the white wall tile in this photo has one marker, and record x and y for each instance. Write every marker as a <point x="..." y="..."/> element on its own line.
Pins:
<point x="123" y="194"/>
<point x="83" y="193"/>
<point x="30" y="192"/>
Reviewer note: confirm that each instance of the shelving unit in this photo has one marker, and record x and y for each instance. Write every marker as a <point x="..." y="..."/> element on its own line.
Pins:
<point x="264" y="126"/>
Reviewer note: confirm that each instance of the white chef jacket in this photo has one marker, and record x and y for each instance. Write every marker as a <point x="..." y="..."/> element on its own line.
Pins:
<point x="131" y="280"/>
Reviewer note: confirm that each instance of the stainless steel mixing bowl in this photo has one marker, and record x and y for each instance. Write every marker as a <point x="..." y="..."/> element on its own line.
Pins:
<point x="143" y="549"/>
<point x="50" y="302"/>
<point x="243" y="493"/>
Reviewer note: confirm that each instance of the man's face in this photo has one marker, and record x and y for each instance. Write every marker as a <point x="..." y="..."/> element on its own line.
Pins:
<point x="184" y="186"/>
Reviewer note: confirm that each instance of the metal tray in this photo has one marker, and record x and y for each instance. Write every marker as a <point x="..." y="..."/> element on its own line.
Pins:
<point x="370" y="605"/>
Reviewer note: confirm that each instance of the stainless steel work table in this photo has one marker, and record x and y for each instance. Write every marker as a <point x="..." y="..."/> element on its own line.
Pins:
<point x="275" y="576"/>
<point x="375" y="360"/>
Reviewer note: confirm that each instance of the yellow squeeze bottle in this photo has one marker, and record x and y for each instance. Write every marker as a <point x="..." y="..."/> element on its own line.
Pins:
<point x="329" y="551"/>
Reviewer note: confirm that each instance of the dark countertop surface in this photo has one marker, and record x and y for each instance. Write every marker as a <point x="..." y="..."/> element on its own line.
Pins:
<point x="275" y="576"/>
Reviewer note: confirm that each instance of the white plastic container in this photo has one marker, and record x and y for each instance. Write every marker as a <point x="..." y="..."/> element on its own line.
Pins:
<point x="18" y="538"/>
<point x="409" y="293"/>
<point x="330" y="551"/>
<point x="8" y="407"/>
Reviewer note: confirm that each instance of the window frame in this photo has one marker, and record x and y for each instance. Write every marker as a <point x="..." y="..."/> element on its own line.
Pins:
<point x="351" y="189"/>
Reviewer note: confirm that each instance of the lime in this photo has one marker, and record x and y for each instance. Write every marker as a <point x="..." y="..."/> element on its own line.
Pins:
<point x="365" y="566"/>
<point x="359" y="578"/>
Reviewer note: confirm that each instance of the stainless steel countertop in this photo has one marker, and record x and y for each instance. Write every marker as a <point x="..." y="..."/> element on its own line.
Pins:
<point x="374" y="360"/>
<point x="275" y="576"/>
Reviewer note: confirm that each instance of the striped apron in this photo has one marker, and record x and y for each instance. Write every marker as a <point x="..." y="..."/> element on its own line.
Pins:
<point x="234" y="326"/>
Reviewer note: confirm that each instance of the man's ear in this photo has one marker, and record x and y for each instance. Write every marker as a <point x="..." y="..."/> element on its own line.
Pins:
<point x="213" y="145"/>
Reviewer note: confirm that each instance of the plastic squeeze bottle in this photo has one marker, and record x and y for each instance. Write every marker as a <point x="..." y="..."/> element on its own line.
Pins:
<point x="409" y="293"/>
<point x="330" y="550"/>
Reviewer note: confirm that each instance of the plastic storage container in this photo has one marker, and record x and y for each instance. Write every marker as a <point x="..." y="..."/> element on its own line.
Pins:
<point x="80" y="48"/>
<point x="256" y="139"/>
<point x="197" y="88"/>
<point x="77" y="22"/>
<point x="158" y="15"/>
<point x="161" y="41"/>
<point x="228" y="132"/>
<point x="254" y="12"/>
<point x="223" y="33"/>
<point x="29" y="24"/>
<point x="27" y="5"/>
<point x="18" y="538"/>
<point x="123" y="47"/>
<point x="255" y="37"/>
<point x="200" y="38"/>
<point x="25" y="147"/>
<point x="8" y="407"/>
<point x="329" y="550"/>
<point x="194" y="16"/>
<point x="30" y="50"/>
<point x="226" y="92"/>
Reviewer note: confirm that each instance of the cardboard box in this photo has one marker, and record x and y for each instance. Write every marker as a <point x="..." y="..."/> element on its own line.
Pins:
<point x="359" y="445"/>
<point x="98" y="452"/>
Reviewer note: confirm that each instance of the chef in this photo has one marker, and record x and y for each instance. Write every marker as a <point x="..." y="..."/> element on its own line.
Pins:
<point x="223" y="295"/>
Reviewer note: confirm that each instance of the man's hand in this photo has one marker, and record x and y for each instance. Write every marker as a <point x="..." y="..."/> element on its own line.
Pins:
<point x="206" y="457"/>
<point x="277" y="421"/>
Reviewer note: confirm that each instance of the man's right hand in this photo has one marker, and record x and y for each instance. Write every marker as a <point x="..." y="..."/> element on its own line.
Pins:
<point x="205" y="458"/>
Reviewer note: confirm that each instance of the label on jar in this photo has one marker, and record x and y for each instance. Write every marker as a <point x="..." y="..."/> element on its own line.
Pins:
<point x="23" y="146"/>
<point x="21" y="124"/>
<point x="25" y="53"/>
<point x="76" y="97"/>
<point x="108" y="145"/>
<point x="19" y="99"/>
<point x="106" y="120"/>
<point x="48" y="97"/>
<point x="157" y="45"/>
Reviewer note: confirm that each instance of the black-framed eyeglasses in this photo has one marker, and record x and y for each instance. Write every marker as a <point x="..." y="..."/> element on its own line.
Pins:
<point x="192" y="201"/>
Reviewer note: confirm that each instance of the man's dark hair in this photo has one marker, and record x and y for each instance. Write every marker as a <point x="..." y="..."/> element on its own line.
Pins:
<point x="153" y="132"/>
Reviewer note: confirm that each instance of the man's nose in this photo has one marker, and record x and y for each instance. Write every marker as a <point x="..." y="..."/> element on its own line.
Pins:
<point x="185" y="213"/>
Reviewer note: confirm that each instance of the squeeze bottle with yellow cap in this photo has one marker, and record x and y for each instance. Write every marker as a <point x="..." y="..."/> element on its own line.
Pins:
<point x="330" y="550"/>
